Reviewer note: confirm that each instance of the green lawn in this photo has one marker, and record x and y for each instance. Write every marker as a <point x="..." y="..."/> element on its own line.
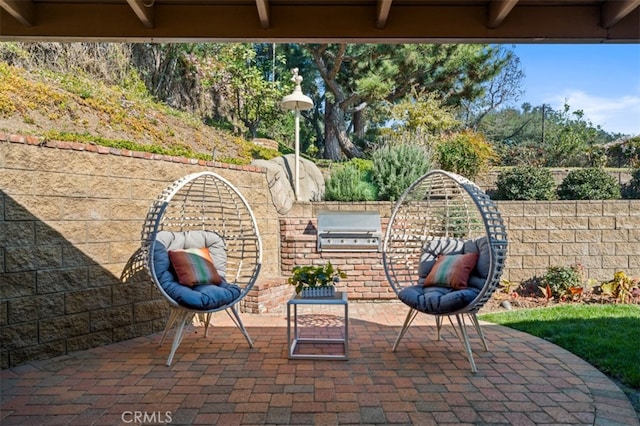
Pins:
<point x="606" y="336"/>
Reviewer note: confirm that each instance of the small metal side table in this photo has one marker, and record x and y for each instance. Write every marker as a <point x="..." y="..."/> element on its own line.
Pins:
<point x="294" y="340"/>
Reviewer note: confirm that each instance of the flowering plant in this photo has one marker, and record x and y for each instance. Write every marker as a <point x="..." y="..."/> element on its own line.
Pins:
<point x="312" y="276"/>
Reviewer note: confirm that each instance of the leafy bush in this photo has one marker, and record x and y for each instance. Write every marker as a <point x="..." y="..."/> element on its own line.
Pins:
<point x="625" y="153"/>
<point x="558" y="281"/>
<point x="622" y="287"/>
<point x="631" y="190"/>
<point x="349" y="183"/>
<point x="395" y="167"/>
<point x="589" y="184"/>
<point x="466" y="153"/>
<point x="364" y="166"/>
<point x="525" y="183"/>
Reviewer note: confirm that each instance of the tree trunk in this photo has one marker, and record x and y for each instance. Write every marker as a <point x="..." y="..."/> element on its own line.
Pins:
<point x="336" y="140"/>
<point x="358" y="123"/>
<point x="331" y="145"/>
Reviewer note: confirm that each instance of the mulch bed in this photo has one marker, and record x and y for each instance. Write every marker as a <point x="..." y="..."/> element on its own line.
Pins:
<point x="523" y="299"/>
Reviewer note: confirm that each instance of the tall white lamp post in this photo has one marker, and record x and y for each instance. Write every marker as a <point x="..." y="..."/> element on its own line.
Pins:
<point x="297" y="102"/>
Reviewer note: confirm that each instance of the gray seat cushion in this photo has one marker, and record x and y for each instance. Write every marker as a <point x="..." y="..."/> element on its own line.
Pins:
<point x="444" y="300"/>
<point x="203" y="297"/>
<point x="437" y="300"/>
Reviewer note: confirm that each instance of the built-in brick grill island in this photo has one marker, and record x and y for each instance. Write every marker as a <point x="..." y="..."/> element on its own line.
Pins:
<point x="349" y="231"/>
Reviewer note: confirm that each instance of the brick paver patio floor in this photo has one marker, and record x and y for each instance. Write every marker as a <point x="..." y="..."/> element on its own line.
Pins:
<point x="522" y="380"/>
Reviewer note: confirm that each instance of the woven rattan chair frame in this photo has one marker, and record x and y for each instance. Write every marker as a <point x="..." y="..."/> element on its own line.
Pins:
<point x="205" y="201"/>
<point x="441" y="205"/>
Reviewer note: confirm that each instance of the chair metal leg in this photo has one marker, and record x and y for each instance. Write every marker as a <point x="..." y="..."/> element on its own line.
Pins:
<point x="207" y="320"/>
<point x="411" y="315"/>
<point x="455" y="329"/>
<point x="183" y="317"/>
<point x="173" y="315"/>
<point x="467" y="345"/>
<point x="476" y="324"/>
<point x="438" y="326"/>
<point x="238" y="323"/>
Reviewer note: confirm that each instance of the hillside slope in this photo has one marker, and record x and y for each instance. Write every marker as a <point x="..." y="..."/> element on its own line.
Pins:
<point x="77" y="108"/>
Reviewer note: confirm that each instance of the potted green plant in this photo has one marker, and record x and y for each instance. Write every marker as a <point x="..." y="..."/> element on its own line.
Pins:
<point x="316" y="281"/>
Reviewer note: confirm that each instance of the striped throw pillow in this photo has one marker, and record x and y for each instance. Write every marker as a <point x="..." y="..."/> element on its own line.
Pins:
<point x="194" y="266"/>
<point x="452" y="270"/>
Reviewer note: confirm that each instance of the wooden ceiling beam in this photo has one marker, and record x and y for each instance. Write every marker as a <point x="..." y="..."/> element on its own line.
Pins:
<point x="143" y="10"/>
<point x="23" y="11"/>
<point x="263" y="13"/>
<point x="613" y="11"/>
<point x="498" y="11"/>
<point x="226" y="22"/>
<point x="382" y="13"/>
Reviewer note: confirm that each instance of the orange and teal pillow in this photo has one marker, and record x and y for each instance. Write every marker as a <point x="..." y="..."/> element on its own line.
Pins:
<point x="194" y="266"/>
<point x="452" y="270"/>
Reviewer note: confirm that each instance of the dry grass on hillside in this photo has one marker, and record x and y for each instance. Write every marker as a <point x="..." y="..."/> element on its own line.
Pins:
<point x="49" y="105"/>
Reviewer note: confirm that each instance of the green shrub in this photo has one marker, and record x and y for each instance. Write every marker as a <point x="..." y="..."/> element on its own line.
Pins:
<point x="349" y="183"/>
<point x="631" y="190"/>
<point x="363" y="165"/>
<point x="395" y="167"/>
<point x="625" y="153"/>
<point x="589" y="184"/>
<point x="466" y="153"/>
<point x="558" y="281"/>
<point x="525" y="183"/>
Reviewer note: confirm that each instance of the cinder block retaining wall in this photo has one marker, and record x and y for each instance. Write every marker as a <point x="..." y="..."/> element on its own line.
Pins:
<point x="603" y="236"/>
<point x="70" y="220"/>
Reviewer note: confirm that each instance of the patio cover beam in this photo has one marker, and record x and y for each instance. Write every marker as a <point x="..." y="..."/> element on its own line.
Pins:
<point x="23" y="11"/>
<point x="263" y="13"/>
<point x="382" y="12"/>
<point x="614" y="11"/>
<point x="498" y="10"/>
<point x="143" y="10"/>
<point x="320" y="22"/>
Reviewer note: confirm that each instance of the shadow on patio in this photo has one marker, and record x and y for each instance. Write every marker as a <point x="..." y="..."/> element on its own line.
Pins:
<point x="220" y="380"/>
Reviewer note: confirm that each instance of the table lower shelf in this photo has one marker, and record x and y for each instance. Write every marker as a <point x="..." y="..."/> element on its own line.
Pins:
<point x="320" y="346"/>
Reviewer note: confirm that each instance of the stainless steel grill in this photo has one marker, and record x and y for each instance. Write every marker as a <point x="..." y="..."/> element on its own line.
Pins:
<point x="349" y="231"/>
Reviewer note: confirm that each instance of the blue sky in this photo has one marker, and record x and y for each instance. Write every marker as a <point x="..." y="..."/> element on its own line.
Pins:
<point x="603" y="80"/>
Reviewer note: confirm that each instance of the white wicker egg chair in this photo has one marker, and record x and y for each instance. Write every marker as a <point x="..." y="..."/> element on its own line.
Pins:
<point x="444" y="213"/>
<point x="202" y="209"/>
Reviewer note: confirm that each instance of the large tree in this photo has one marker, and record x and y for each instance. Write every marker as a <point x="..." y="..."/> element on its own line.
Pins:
<point x="243" y="76"/>
<point x="359" y="82"/>
<point x="505" y="88"/>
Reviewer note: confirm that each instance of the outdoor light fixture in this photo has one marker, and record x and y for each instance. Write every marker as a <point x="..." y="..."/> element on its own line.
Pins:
<point x="297" y="102"/>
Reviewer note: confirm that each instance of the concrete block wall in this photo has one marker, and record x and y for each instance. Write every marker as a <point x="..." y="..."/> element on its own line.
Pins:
<point x="70" y="222"/>
<point x="603" y="236"/>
